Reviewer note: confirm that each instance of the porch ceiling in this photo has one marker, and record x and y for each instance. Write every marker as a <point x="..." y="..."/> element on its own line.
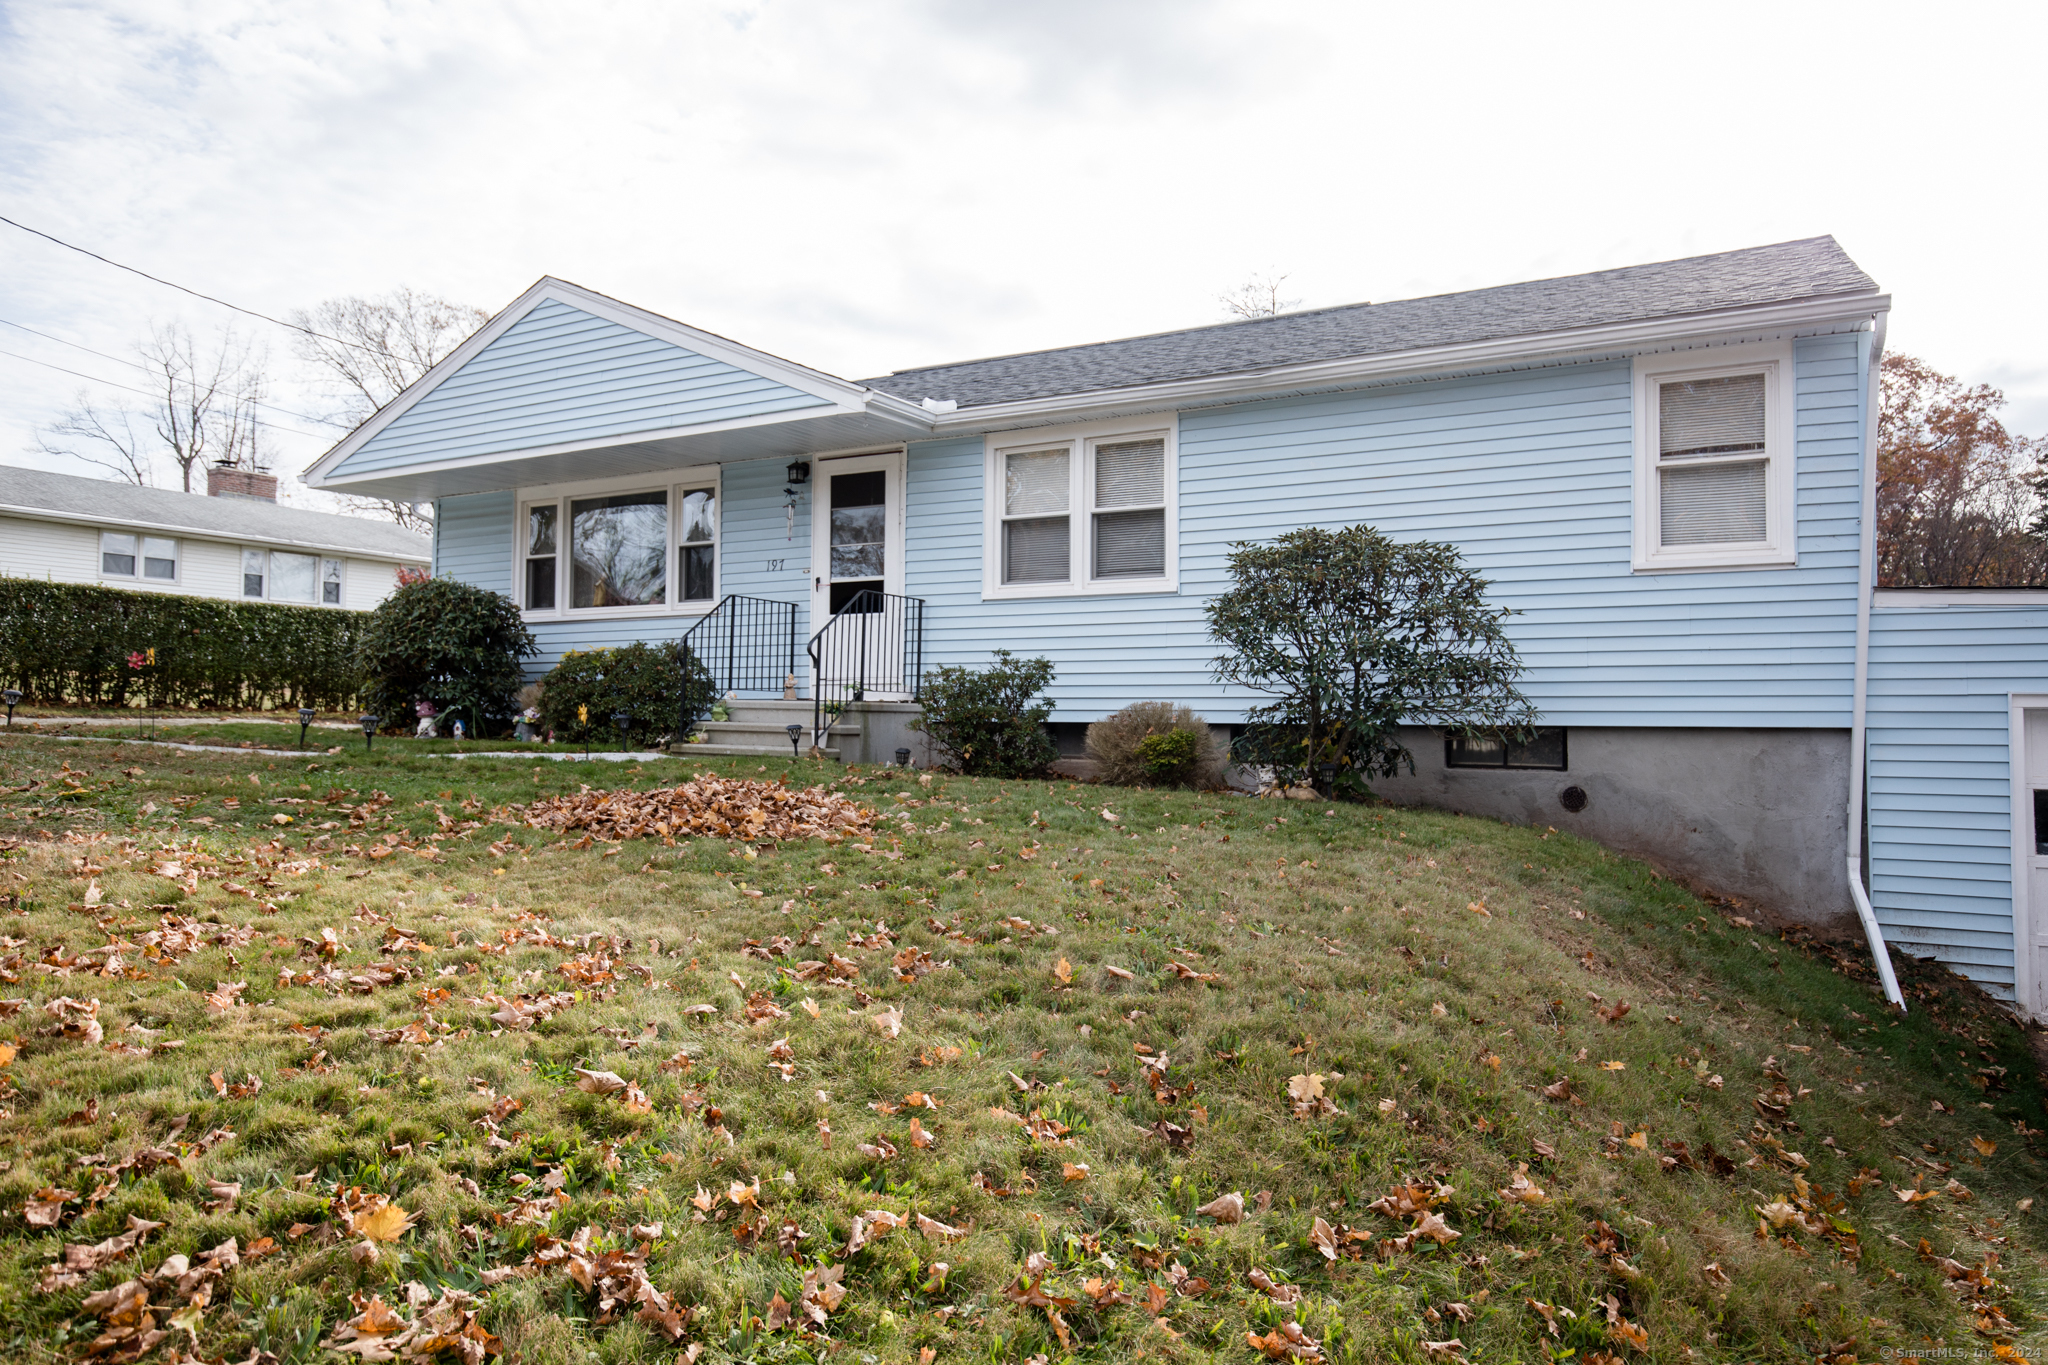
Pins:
<point x="784" y="437"/>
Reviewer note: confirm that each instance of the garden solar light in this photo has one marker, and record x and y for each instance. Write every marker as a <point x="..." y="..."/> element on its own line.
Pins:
<point x="12" y="696"/>
<point x="306" y="714"/>
<point x="369" y="729"/>
<point x="903" y="758"/>
<point x="1329" y="772"/>
<point x="794" y="730"/>
<point x="624" y="722"/>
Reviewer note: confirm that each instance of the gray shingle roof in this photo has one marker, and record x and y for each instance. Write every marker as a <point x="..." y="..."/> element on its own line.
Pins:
<point x="1812" y="267"/>
<point x="101" y="500"/>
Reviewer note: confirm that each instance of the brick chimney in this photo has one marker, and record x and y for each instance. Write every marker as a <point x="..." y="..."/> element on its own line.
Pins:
<point x="227" y="481"/>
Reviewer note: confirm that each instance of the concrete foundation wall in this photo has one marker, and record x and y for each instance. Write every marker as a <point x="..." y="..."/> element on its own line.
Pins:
<point x="1755" y="813"/>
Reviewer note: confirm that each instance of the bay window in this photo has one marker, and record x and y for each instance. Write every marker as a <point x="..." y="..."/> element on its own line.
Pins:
<point x="614" y="547"/>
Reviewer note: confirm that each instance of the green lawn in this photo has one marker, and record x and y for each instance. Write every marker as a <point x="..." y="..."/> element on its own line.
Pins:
<point x="1055" y="1027"/>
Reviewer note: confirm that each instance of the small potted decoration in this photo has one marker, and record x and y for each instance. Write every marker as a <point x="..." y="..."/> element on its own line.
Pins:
<point x="523" y="729"/>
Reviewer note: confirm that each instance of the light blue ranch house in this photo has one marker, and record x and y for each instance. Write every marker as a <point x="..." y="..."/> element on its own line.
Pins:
<point x="1665" y="469"/>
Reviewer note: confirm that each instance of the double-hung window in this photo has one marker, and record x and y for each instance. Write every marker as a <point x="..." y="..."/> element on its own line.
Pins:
<point x="697" y="544"/>
<point x="1714" y="486"/>
<point x="288" y="576"/>
<point x="1084" y="512"/>
<point x="151" y="558"/>
<point x="619" y="548"/>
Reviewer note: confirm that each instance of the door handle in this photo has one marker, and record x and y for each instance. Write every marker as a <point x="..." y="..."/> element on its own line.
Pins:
<point x="817" y="583"/>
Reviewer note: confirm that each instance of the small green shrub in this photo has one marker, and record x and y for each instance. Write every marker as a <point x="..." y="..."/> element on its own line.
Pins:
<point x="1157" y="744"/>
<point x="447" y="642"/>
<point x="990" y="722"/>
<point x="581" y="694"/>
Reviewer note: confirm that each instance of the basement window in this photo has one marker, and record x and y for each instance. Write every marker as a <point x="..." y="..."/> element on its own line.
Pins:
<point x="1543" y="749"/>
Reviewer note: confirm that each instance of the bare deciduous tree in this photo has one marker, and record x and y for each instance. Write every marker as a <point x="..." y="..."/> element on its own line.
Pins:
<point x="1258" y="297"/>
<point x="1956" y="491"/>
<point x="382" y="346"/>
<point x="202" y="411"/>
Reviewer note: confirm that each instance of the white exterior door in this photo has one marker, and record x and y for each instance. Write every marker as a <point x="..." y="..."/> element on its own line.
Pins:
<point x="857" y="548"/>
<point x="2030" y="855"/>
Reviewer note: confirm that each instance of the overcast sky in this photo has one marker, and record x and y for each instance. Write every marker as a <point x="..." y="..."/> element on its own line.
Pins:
<point x="875" y="185"/>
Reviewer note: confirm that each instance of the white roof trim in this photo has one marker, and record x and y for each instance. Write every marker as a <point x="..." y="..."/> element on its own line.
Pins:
<point x="1737" y="324"/>
<point x="1960" y="597"/>
<point x="845" y="397"/>
<point x="212" y="533"/>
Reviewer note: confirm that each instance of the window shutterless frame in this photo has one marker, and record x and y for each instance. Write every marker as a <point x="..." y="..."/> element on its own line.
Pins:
<point x="1697" y="491"/>
<point x="134" y="555"/>
<point x="1081" y="511"/>
<point x="544" y="544"/>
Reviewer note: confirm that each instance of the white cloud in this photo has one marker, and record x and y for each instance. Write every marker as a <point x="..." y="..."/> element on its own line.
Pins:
<point x="901" y="182"/>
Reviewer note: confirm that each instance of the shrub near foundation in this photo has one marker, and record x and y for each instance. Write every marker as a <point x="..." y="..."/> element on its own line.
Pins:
<point x="1156" y="744"/>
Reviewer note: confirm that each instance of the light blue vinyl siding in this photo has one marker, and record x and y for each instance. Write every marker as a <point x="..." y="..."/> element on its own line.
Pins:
<point x="1941" y="683"/>
<point x="1528" y="473"/>
<point x="474" y="543"/>
<point x="562" y="375"/>
<point x="473" y="540"/>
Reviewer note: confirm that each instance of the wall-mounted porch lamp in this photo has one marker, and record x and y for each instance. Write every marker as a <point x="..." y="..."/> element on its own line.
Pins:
<point x="369" y="724"/>
<point x="799" y="472"/>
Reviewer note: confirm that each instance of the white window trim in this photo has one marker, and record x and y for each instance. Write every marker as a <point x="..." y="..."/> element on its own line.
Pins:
<point x="319" y="559"/>
<point x="675" y="483"/>
<point x="320" y="582"/>
<point x="1779" y="547"/>
<point x="139" y="578"/>
<point x="1080" y="442"/>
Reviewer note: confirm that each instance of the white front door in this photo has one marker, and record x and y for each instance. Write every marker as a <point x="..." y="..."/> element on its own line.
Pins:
<point x="2030" y="846"/>
<point x="857" y="549"/>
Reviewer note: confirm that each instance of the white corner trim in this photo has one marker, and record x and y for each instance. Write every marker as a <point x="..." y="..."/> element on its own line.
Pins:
<point x="1081" y="441"/>
<point x="845" y="396"/>
<point x="1779" y="547"/>
<point x="2030" y="991"/>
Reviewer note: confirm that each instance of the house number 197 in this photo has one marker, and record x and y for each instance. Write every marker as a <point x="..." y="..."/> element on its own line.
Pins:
<point x="775" y="565"/>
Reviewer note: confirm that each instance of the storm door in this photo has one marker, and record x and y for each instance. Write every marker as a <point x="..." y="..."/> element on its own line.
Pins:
<point x="857" y="566"/>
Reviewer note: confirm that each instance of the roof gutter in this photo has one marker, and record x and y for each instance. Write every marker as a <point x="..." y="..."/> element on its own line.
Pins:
<point x="1238" y="386"/>
<point x="1866" y="573"/>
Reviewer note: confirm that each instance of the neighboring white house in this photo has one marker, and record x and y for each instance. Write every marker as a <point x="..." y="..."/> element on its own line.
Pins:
<point x="236" y="542"/>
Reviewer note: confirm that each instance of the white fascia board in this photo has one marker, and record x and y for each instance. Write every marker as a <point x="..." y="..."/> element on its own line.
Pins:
<point x="215" y="534"/>
<point x="1736" y="324"/>
<point x="913" y="427"/>
<point x="845" y="396"/>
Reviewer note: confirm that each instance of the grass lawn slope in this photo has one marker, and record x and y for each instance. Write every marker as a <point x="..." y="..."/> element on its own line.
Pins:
<point x="340" y="1054"/>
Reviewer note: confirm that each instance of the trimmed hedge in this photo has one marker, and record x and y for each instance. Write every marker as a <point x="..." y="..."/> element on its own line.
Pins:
<point x="71" y="643"/>
<point x="645" y="681"/>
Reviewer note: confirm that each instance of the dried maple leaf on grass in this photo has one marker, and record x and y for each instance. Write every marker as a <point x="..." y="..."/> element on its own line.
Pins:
<point x="136" y="1315"/>
<point x="76" y="1020"/>
<point x="1286" y="1342"/>
<point x="441" y="1325"/>
<point x="1523" y="1190"/>
<point x="618" y="1278"/>
<point x="1225" y="1208"/>
<point x="1305" y="1096"/>
<point x="79" y="1260"/>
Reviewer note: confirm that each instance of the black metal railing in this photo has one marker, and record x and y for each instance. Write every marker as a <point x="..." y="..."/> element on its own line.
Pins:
<point x="744" y="644"/>
<point x="875" y="643"/>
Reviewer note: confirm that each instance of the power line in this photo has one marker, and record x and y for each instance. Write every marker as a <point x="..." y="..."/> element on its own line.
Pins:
<point x="136" y="365"/>
<point x="278" y="322"/>
<point x="146" y="394"/>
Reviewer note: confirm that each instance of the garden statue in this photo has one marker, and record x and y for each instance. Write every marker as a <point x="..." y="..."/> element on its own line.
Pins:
<point x="428" y="727"/>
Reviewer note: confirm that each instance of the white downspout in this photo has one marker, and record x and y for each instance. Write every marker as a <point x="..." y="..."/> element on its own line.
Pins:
<point x="1866" y="563"/>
